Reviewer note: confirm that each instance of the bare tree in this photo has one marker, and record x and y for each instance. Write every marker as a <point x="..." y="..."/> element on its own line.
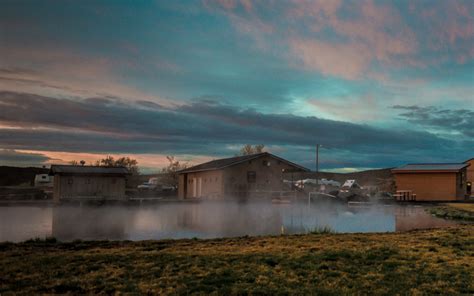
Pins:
<point x="129" y="163"/>
<point x="248" y="149"/>
<point x="171" y="171"/>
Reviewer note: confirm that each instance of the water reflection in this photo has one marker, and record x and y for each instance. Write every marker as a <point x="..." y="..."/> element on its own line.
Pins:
<point x="204" y="220"/>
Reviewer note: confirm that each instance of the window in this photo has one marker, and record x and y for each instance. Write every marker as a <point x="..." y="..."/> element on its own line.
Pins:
<point x="69" y="180"/>
<point x="114" y="181"/>
<point x="251" y="176"/>
<point x="88" y="181"/>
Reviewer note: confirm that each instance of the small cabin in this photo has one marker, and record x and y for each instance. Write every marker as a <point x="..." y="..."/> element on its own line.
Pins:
<point x="432" y="182"/>
<point x="245" y="176"/>
<point x="88" y="182"/>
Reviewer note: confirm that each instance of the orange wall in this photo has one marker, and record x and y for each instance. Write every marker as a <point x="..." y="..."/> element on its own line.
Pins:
<point x="470" y="171"/>
<point x="431" y="186"/>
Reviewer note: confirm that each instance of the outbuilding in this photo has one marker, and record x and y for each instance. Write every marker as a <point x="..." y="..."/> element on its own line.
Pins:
<point x="88" y="182"/>
<point x="432" y="182"/>
<point x="240" y="176"/>
<point x="470" y="177"/>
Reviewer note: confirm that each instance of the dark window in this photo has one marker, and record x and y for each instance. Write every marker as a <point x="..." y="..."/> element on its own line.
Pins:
<point x="251" y="176"/>
<point x="69" y="181"/>
<point x="114" y="181"/>
<point x="88" y="181"/>
<point x="216" y="179"/>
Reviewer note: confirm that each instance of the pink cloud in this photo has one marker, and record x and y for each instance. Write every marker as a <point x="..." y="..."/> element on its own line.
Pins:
<point x="59" y="71"/>
<point x="349" y="61"/>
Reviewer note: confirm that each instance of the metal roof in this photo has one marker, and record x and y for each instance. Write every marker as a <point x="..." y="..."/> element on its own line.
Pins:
<point x="451" y="167"/>
<point x="77" y="169"/>
<point x="226" y="162"/>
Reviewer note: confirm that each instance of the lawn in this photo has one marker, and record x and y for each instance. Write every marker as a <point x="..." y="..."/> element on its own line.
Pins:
<point x="430" y="261"/>
<point x="454" y="211"/>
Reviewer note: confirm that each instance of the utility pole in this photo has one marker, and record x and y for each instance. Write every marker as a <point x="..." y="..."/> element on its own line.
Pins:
<point x="317" y="166"/>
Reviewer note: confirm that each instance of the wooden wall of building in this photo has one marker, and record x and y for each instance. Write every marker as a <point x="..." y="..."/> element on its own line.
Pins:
<point x="267" y="177"/>
<point x="77" y="186"/>
<point x="210" y="184"/>
<point x="432" y="186"/>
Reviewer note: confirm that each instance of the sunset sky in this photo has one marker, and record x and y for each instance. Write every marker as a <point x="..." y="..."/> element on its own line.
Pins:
<point x="377" y="83"/>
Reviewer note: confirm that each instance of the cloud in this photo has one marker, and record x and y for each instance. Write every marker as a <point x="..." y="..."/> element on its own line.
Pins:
<point x="10" y="157"/>
<point x="349" y="61"/>
<point x="452" y="121"/>
<point x="64" y="72"/>
<point x="199" y="128"/>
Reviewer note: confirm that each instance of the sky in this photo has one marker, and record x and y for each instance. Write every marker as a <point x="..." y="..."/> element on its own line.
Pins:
<point x="377" y="83"/>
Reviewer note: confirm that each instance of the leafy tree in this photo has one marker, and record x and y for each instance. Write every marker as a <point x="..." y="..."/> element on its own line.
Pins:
<point x="249" y="149"/>
<point x="171" y="171"/>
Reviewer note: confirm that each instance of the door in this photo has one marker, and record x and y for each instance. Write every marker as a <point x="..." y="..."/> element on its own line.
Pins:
<point x="194" y="181"/>
<point x="199" y="187"/>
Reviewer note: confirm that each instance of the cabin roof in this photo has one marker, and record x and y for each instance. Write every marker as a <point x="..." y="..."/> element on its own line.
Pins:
<point x="227" y="162"/>
<point x="469" y="160"/>
<point x="431" y="167"/>
<point x="77" y="169"/>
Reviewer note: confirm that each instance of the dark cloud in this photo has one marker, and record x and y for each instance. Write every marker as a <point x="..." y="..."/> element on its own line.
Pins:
<point x="448" y="120"/>
<point x="15" y="158"/>
<point x="206" y="127"/>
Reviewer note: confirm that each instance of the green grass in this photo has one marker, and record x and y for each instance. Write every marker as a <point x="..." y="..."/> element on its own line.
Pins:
<point x="418" y="262"/>
<point x="463" y="212"/>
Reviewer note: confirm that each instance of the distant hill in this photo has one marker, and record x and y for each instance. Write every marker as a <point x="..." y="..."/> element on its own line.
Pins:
<point x="14" y="176"/>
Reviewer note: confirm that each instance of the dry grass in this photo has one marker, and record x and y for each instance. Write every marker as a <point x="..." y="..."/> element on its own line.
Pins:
<point x="468" y="207"/>
<point x="431" y="261"/>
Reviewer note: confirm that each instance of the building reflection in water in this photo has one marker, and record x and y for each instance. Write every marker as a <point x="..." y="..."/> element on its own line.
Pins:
<point x="89" y="223"/>
<point x="416" y="217"/>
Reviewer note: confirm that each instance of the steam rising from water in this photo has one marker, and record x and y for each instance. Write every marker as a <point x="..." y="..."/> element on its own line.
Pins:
<point x="204" y="220"/>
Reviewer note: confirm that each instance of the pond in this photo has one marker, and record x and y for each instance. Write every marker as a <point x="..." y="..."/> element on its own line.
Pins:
<point x="204" y="220"/>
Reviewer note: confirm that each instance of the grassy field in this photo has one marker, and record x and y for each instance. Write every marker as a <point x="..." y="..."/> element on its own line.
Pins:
<point x="454" y="211"/>
<point x="430" y="261"/>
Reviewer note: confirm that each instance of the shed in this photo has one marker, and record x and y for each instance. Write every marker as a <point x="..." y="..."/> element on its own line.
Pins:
<point x="88" y="182"/>
<point x="470" y="176"/>
<point x="433" y="181"/>
<point x="240" y="176"/>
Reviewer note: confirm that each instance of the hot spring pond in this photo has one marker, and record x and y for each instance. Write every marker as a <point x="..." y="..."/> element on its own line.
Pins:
<point x="204" y="220"/>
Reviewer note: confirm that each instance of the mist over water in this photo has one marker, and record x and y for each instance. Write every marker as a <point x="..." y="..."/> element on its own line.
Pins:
<point x="204" y="220"/>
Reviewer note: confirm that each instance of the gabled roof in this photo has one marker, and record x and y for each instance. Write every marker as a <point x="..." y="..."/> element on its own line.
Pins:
<point x="227" y="162"/>
<point x="469" y="160"/>
<point x="89" y="170"/>
<point x="431" y="167"/>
